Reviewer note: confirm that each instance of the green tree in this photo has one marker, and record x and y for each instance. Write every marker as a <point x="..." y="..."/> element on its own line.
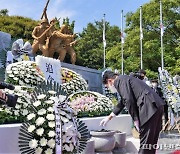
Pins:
<point x="4" y="12"/>
<point x="151" y="40"/>
<point x="70" y="25"/>
<point x="90" y="47"/>
<point x="18" y="27"/>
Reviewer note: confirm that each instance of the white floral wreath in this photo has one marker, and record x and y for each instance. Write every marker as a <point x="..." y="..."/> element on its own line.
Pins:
<point x="40" y="135"/>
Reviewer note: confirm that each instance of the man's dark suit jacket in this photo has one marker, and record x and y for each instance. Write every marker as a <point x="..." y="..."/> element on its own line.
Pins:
<point x="141" y="100"/>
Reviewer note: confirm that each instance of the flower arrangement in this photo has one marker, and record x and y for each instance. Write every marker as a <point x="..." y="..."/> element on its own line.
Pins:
<point x="88" y="103"/>
<point x="51" y="125"/>
<point x="20" y="51"/>
<point x="19" y="112"/>
<point x="170" y="91"/>
<point x="72" y="81"/>
<point x="24" y="73"/>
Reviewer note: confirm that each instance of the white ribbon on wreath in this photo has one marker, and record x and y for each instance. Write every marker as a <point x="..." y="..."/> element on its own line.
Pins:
<point x="58" y="130"/>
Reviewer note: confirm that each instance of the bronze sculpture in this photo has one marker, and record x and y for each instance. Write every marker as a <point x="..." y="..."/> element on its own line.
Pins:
<point x="40" y="34"/>
<point x="50" y="40"/>
<point x="68" y="45"/>
<point x="56" y="43"/>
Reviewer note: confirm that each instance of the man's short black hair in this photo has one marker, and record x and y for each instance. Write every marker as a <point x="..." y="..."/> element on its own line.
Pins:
<point x="109" y="75"/>
<point x="154" y="80"/>
<point x="142" y="71"/>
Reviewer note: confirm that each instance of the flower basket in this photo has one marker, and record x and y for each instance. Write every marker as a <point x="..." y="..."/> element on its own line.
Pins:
<point x="90" y="104"/>
<point x="72" y="81"/>
<point x="24" y="73"/>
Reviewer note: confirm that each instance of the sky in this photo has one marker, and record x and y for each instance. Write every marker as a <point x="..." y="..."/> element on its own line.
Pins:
<point x="82" y="11"/>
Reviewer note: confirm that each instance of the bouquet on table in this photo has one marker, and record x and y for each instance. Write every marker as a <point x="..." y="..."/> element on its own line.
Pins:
<point x="88" y="103"/>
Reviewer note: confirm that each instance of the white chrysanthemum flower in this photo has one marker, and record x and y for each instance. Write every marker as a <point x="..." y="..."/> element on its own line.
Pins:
<point x="18" y="88"/>
<point x="16" y="72"/>
<point x="54" y="98"/>
<point x="31" y="116"/>
<point x="33" y="144"/>
<point x="51" y="143"/>
<point x="22" y="72"/>
<point x="41" y="112"/>
<point x="8" y="71"/>
<point x="11" y="75"/>
<point x="15" y="78"/>
<point x="7" y="110"/>
<point x="48" y="151"/>
<point x="40" y="131"/>
<point x="51" y="133"/>
<point x="18" y="106"/>
<point x="50" y="117"/>
<point x="28" y="76"/>
<point x="52" y="92"/>
<point x="16" y="112"/>
<point x="62" y="98"/>
<point x="34" y="70"/>
<point x="25" y="112"/>
<point x="31" y="128"/>
<point x="37" y="103"/>
<point x="26" y="80"/>
<point x="1" y="109"/>
<point x="42" y="96"/>
<point x="43" y="142"/>
<point x="49" y="101"/>
<point x="38" y="150"/>
<point x="19" y="94"/>
<point x="51" y="124"/>
<point x="50" y="109"/>
<point x="21" y="82"/>
<point x="40" y="121"/>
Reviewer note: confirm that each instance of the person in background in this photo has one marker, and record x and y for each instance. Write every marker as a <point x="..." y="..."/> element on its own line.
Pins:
<point x="157" y="89"/>
<point x="7" y="99"/>
<point x="143" y="104"/>
<point x="142" y="74"/>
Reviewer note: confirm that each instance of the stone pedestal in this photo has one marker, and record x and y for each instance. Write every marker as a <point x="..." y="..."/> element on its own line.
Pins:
<point x="120" y="138"/>
<point x="122" y="122"/>
<point x="89" y="148"/>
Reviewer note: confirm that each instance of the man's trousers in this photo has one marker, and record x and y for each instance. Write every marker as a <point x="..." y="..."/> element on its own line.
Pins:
<point x="149" y="133"/>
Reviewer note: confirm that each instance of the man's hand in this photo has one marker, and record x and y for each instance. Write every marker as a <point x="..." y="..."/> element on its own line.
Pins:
<point x="104" y="121"/>
<point x="107" y="119"/>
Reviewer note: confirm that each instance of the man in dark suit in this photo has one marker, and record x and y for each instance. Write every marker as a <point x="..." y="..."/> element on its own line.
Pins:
<point x="143" y="104"/>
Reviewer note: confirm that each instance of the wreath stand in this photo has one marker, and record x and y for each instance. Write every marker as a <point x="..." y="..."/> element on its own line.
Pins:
<point x="173" y="124"/>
